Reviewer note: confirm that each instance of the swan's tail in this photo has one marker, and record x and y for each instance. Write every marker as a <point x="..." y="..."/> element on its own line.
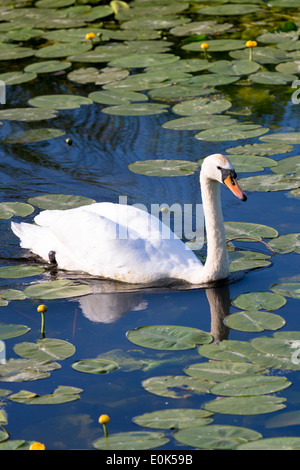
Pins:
<point x="33" y="238"/>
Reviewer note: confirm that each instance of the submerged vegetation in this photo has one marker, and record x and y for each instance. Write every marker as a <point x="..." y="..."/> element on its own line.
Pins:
<point x="205" y="66"/>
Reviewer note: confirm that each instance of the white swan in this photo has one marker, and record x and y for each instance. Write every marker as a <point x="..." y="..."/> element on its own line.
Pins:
<point x="85" y="239"/>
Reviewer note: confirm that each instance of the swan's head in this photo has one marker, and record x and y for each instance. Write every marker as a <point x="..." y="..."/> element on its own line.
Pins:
<point x="217" y="167"/>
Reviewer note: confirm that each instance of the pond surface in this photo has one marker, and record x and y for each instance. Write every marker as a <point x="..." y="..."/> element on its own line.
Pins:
<point x="95" y="165"/>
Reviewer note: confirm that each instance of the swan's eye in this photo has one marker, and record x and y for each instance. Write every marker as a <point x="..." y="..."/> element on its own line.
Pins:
<point x="232" y="181"/>
<point x="219" y="168"/>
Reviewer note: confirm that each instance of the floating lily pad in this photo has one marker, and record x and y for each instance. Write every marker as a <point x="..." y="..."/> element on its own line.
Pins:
<point x="95" y="366"/>
<point x="143" y="60"/>
<point x="282" y="345"/>
<point x="259" y="301"/>
<point x="272" y="78"/>
<point x="61" y="394"/>
<point x="27" y="114"/>
<point x="22" y="370"/>
<point x="267" y="183"/>
<point x="235" y="67"/>
<point x="168" y="337"/>
<point x="213" y="79"/>
<point x="282" y="137"/>
<point x="215" y="436"/>
<point x="32" y="135"/>
<point x="177" y="386"/>
<point x="234" y="132"/>
<point x="218" y="371"/>
<point x="59" y="201"/>
<point x="136" y="440"/>
<point x="227" y="350"/>
<point x="286" y="243"/>
<point x="13" y="52"/>
<point x="288" y="166"/>
<point x="46" y="349"/>
<point x="62" y="50"/>
<point x="16" y="272"/>
<point x="56" y="290"/>
<point x="9" y="209"/>
<point x="250" y="163"/>
<point x="199" y="121"/>
<point x="15" y="78"/>
<point x="201" y="106"/>
<point x="247" y="229"/>
<point x="12" y="294"/>
<point x="270" y="148"/>
<point x="100" y="77"/>
<point x="272" y="443"/>
<point x="224" y="10"/>
<point x="48" y="66"/>
<point x="178" y="92"/>
<point x="287" y="289"/>
<point x="136" y="109"/>
<point x="175" y="418"/>
<point x="116" y="97"/>
<point x="256" y="405"/>
<point x="164" y="167"/>
<point x="12" y="331"/>
<point x="262" y="55"/>
<point x="254" y="321"/>
<point x="289" y="67"/>
<point x="59" y="101"/>
<point x="216" y="45"/>
<point x="251" y="385"/>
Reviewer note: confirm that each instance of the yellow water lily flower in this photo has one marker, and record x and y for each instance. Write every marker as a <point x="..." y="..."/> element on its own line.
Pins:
<point x="251" y="44"/>
<point x="204" y="46"/>
<point x="104" y="419"/>
<point x="42" y="308"/>
<point x="90" y="36"/>
<point x="37" y="446"/>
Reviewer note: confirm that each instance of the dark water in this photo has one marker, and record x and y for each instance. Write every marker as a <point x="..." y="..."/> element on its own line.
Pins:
<point x="96" y="166"/>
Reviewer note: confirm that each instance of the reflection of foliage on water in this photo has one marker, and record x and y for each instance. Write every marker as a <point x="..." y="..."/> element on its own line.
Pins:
<point x="144" y="59"/>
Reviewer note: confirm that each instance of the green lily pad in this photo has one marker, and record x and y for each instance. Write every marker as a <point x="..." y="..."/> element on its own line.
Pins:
<point x="168" y="337"/>
<point x="178" y="92"/>
<point x="164" y="167"/>
<point x="288" y="166"/>
<point x="252" y="385"/>
<point x="59" y="201"/>
<point x="286" y="243"/>
<point x="234" y="132"/>
<point x="95" y="366"/>
<point x="254" y="321"/>
<point x="23" y="370"/>
<point x="216" y="436"/>
<point x="12" y="294"/>
<point x="59" y="101"/>
<point x="282" y="137"/>
<point x="16" y="272"/>
<point x="262" y="55"/>
<point x="272" y="443"/>
<point x="247" y="229"/>
<point x="199" y="121"/>
<point x="265" y="183"/>
<point x="213" y="79"/>
<point x="272" y="78"/>
<point x="175" y="418"/>
<point x="256" y="405"/>
<point x="46" y="349"/>
<point x="270" y="148"/>
<point x="48" y="66"/>
<point x="62" y="49"/>
<point x="287" y="289"/>
<point x="27" y="114"/>
<point x="56" y="290"/>
<point x="116" y="97"/>
<point x="12" y="331"/>
<point x="136" y="109"/>
<point x="100" y="77"/>
<point x="32" y="135"/>
<point x="259" y="301"/>
<point x="10" y="209"/>
<point x="282" y="344"/>
<point x="216" y="45"/>
<point x="136" y="440"/>
<point x="143" y="60"/>
<point x="227" y="350"/>
<point x="224" y="10"/>
<point x="289" y="67"/>
<point x="250" y="163"/>
<point x="235" y="67"/>
<point x="61" y="394"/>
<point x="218" y="371"/>
<point x="201" y="106"/>
<point x="13" y="52"/>
<point x="15" y="78"/>
<point x="176" y="386"/>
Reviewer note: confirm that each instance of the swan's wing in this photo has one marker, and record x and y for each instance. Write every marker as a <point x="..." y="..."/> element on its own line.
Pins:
<point x="123" y="244"/>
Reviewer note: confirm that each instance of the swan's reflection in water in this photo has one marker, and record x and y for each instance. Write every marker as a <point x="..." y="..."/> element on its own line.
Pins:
<point x="109" y="306"/>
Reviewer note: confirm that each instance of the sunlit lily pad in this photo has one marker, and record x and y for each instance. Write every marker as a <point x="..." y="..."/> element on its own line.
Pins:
<point x="248" y="229"/>
<point x="235" y="67"/>
<point x="213" y="79"/>
<point x="15" y="78"/>
<point x="250" y="163"/>
<point x="267" y="183"/>
<point x="227" y="350"/>
<point x="15" y="272"/>
<point x="164" y="167"/>
<point x="12" y="294"/>
<point x="224" y="10"/>
<point x="12" y="331"/>
<point x="100" y="77"/>
<point x="135" y="440"/>
<point x="288" y="166"/>
<point x="254" y="321"/>
<point x="215" y="436"/>
<point x="262" y="55"/>
<point x="218" y="371"/>
<point x="59" y="201"/>
<point x="286" y="243"/>
<point x="143" y="60"/>
<point x="177" y="92"/>
<point x="62" y="50"/>
<point x="56" y="290"/>
<point x="136" y="109"/>
<point x="62" y="394"/>
<point x="59" y="101"/>
<point x="283" y="344"/>
<point x="176" y="386"/>
<point x="272" y="443"/>
<point x="175" y="418"/>
<point x="116" y="97"/>
<point x="48" y="66"/>
<point x="22" y="370"/>
<point x="272" y="78"/>
<point x="217" y="45"/>
<point x="13" y="52"/>
<point x="199" y="121"/>
<point x="95" y="366"/>
<point x="259" y="301"/>
<point x="268" y="148"/>
<point x="201" y="106"/>
<point x="234" y="132"/>
<point x="289" y="67"/>
<point x="32" y="135"/>
<point x="252" y="385"/>
<point x="9" y="209"/>
<point x="46" y="349"/>
<point x="168" y="337"/>
<point x="282" y="137"/>
<point x="256" y="405"/>
<point x="287" y="289"/>
<point x="200" y="27"/>
<point x="27" y="114"/>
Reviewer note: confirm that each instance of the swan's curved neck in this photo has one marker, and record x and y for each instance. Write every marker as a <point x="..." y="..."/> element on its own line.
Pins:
<point x="216" y="265"/>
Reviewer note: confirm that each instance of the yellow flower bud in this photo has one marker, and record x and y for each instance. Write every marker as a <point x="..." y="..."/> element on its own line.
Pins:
<point x="37" y="446"/>
<point x="90" y="36"/>
<point x="42" y="308"/>
<point x="251" y="44"/>
<point x="204" y="46"/>
<point x="104" y="419"/>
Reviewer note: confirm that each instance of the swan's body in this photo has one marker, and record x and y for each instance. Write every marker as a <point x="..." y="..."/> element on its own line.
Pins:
<point x="127" y="244"/>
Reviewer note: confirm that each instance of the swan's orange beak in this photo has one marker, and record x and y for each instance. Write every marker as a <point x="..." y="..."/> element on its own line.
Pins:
<point x="232" y="184"/>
